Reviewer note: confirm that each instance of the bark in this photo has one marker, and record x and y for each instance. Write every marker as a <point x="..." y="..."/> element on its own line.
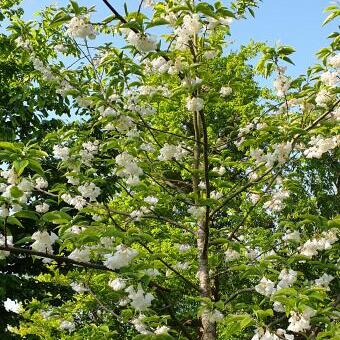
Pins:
<point x="208" y="328"/>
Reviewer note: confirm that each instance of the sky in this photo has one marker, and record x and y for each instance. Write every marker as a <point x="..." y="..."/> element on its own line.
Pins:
<point x="297" y="23"/>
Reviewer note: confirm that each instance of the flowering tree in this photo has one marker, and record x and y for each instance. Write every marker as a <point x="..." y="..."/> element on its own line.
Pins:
<point x="184" y="201"/>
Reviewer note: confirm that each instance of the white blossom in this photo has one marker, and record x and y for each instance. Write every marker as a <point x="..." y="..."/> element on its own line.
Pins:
<point x="334" y="61"/>
<point x="117" y="284"/>
<point x="162" y="330"/>
<point x="80" y="255"/>
<point x="67" y="326"/>
<point x="42" y="208"/>
<point x="40" y="183"/>
<point x="62" y="152"/>
<point x="170" y="151"/>
<point x="121" y="258"/>
<point x="79" y="27"/>
<point x="140" y="300"/>
<point x="44" y="241"/>
<point x="89" y="190"/>
<point x="287" y="278"/>
<point x="13" y="306"/>
<point x="226" y="91"/>
<point x="292" y="236"/>
<point x="79" y="287"/>
<point x="266" y="287"/>
<point x="324" y="281"/>
<point x="300" y="322"/>
<point x="231" y="255"/>
<point x="195" y="104"/>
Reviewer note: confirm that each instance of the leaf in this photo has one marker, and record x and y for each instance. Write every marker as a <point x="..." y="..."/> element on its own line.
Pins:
<point x="31" y="215"/>
<point x="9" y="146"/>
<point x="36" y="166"/>
<point x="57" y="217"/>
<point x="158" y="22"/>
<point x="20" y="166"/>
<point x="16" y="192"/>
<point x="14" y="221"/>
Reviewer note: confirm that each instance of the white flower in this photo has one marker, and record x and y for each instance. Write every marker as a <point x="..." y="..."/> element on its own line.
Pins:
<point x="260" y="334"/>
<point x="79" y="28"/>
<point x="139" y="324"/>
<point x="61" y="152"/>
<point x="197" y="212"/>
<point x="162" y="330"/>
<point x="151" y="200"/>
<point x="42" y="208"/>
<point x="182" y="248"/>
<point x="142" y="42"/>
<point x="4" y="212"/>
<point x="89" y="190"/>
<point x="44" y="241"/>
<point x="231" y="255"/>
<point x="152" y="272"/>
<point x="78" y="201"/>
<point x="129" y="165"/>
<point x="324" y="281"/>
<point x="282" y="84"/>
<point x="334" y="61"/>
<point x="79" y="287"/>
<point x="67" y="326"/>
<point x="287" y="278"/>
<point x="330" y="78"/>
<point x="80" y="255"/>
<point x="292" y="236"/>
<point x="117" y="284"/>
<point x="278" y="307"/>
<point x="40" y="183"/>
<point x="300" y="322"/>
<point x="13" y="306"/>
<point x="121" y="258"/>
<point x="226" y="91"/>
<point x="320" y="145"/>
<point x="170" y="151"/>
<point x="323" y="98"/>
<point x="195" y="104"/>
<point x="139" y="300"/>
<point x="266" y="287"/>
<point x="9" y="239"/>
<point x="220" y="171"/>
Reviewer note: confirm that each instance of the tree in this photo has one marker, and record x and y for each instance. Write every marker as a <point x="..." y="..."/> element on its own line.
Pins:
<point x="190" y="202"/>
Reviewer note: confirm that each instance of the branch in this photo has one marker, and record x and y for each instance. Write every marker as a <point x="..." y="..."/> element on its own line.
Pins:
<point x="57" y="258"/>
<point x="243" y="290"/>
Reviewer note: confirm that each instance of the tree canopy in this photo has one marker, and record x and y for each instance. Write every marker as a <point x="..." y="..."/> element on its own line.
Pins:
<point x="183" y="198"/>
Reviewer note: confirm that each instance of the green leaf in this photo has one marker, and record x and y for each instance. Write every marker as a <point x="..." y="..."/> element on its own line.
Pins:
<point x="14" y="221"/>
<point x="16" y="192"/>
<point x="36" y="166"/>
<point x="31" y="215"/>
<point x="56" y="217"/>
<point x="20" y="166"/>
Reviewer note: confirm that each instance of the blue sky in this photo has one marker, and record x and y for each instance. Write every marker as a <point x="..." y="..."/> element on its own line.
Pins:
<point x="291" y="22"/>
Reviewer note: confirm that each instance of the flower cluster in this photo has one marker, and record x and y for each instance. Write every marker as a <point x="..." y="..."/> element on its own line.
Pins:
<point x="142" y="42"/>
<point x="311" y="247"/>
<point x="195" y="104"/>
<point x="139" y="300"/>
<point x="300" y="322"/>
<point x="190" y="27"/>
<point x="170" y="151"/>
<point x="320" y="145"/>
<point x="130" y="168"/>
<point x="79" y="27"/>
<point x="43" y="241"/>
<point x="121" y="258"/>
